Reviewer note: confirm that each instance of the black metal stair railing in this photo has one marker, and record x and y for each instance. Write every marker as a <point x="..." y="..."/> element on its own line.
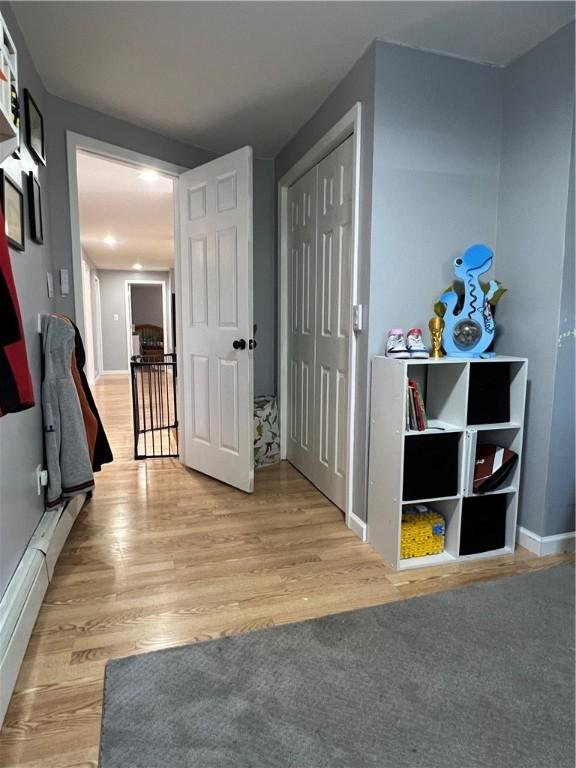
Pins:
<point x="154" y="408"/>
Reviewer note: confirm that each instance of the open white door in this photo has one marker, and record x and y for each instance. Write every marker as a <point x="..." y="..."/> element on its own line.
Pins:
<point x="214" y="291"/>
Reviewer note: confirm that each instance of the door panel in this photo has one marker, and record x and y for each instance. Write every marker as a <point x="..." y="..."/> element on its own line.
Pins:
<point x="214" y="288"/>
<point x="334" y="318"/>
<point x="319" y="321"/>
<point x="302" y="322"/>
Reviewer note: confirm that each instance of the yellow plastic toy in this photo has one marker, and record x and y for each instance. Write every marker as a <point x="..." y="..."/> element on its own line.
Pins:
<point x="422" y="532"/>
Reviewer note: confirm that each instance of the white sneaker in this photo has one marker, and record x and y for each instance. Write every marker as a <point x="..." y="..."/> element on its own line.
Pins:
<point x="395" y="345"/>
<point x="415" y="344"/>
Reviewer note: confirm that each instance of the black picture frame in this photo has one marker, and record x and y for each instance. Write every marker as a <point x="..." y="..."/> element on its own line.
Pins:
<point x="35" y="208"/>
<point x="12" y="202"/>
<point x="35" y="139"/>
<point x="15" y="106"/>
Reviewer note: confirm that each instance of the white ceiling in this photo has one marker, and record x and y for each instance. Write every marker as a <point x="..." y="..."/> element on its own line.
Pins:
<point x="114" y="201"/>
<point x="224" y="74"/>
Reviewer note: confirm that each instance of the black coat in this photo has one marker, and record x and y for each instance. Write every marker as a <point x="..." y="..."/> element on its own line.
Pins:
<point x="102" y="450"/>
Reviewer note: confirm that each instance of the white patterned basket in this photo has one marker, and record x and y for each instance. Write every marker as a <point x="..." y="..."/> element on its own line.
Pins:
<point x="266" y="431"/>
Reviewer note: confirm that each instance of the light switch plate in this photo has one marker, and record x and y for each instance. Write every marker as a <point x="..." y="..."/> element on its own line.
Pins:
<point x="64" y="282"/>
<point x="50" y="284"/>
<point x="115" y="317"/>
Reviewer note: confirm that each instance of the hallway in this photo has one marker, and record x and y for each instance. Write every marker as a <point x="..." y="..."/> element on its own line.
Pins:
<point x="162" y="556"/>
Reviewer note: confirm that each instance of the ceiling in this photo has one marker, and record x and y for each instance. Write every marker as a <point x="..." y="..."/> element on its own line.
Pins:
<point x="224" y="74"/>
<point x="115" y="201"/>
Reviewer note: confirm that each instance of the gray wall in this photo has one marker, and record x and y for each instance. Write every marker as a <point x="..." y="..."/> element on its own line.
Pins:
<point x="559" y="516"/>
<point x="21" y="434"/>
<point x="358" y="85"/>
<point x="429" y="188"/>
<point x="437" y="132"/>
<point x="113" y="303"/>
<point x="147" y="304"/>
<point x="465" y="153"/>
<point x="65" y="116"/>
<point x="531" y="248"/>
<point x="264" y="278"/>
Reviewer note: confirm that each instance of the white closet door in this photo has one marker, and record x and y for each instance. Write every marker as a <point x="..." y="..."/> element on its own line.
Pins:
<point x="319" y="321"/>
<point x="301" y="323"/>
<point x="333" y="320"/>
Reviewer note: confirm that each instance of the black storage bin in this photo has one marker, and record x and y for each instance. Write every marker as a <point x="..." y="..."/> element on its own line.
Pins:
<point x="430" y="466"/>
<point x="489" y="393"/>
<point x="483" y="524"/>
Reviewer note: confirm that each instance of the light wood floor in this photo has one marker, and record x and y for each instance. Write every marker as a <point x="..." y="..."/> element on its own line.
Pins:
<point x="162" y="556"/>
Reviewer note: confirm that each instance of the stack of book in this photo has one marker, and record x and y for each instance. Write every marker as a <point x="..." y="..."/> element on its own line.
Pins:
<point x="416" y="420"/>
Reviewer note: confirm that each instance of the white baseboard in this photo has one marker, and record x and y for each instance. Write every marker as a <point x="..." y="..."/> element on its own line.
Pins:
<point x="19" y="608"/>
<point x="546" y="545"/>
<point x="115" y="373"/>
<point x="53" y="530"/>
<point x="358" y="526"/>
<point x="23" y="597"/>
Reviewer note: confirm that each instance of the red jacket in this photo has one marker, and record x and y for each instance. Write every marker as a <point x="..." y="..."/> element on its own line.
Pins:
<point x="16" y="393"/>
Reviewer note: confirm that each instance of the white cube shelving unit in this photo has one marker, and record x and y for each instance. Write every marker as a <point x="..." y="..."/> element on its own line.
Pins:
<point x="445" y="387"/>
<point x="9" y="66"/>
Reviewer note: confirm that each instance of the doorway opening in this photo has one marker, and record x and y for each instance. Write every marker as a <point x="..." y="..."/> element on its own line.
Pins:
<point x="125" y="220"/>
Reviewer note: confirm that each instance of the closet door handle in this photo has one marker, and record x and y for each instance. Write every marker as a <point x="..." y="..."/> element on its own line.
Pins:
<point x="252" y="344"/>
<point x="239" y="344"/>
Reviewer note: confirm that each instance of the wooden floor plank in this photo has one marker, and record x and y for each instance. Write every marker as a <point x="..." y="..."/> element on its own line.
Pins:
<point x="162" y="556"/>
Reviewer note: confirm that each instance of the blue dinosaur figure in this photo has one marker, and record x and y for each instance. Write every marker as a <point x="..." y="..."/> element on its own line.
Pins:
<point x="470" y="331"/>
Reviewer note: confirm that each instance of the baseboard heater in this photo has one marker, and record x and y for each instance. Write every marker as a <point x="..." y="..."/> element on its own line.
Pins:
<point x="23" y="597"/>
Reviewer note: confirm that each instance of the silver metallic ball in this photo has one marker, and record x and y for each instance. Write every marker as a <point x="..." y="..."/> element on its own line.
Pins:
<point x="467" y="334"/>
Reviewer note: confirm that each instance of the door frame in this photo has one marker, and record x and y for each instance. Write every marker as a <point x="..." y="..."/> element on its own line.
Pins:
<point x="74" y="143"/>
<point x="99" y="346"/>
<point x="128" y="310"/>
<point x="349" y="124"/>
<point x="90" y="344"/>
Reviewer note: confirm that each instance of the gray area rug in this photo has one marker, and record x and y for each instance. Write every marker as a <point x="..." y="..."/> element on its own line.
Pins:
<point x="481" y="676"/>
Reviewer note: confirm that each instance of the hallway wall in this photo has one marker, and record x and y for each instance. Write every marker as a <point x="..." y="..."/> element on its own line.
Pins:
<point x="21" y="434"/>
<point x="113" y="296"/>
<point x="535" y="242"/>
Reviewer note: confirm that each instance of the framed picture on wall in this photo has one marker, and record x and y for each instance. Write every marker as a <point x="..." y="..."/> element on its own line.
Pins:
<point x="12" y="202"/>
<point x="34" y="129"/>
<point x="15" y="107"/>
<point x="35" y="208"/>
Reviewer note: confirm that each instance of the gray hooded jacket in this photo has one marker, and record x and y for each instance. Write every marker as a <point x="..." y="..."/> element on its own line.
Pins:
<point x="67" y="455"/>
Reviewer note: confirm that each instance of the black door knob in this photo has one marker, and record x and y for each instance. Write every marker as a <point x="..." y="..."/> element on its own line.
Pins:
<point x="252" y="344"/>
<point x="239" y="344"/>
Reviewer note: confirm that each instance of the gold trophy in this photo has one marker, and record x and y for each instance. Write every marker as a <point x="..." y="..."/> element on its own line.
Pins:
<point x="436" y="326"/>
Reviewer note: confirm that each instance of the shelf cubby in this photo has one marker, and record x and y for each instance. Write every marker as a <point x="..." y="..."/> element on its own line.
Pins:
<point x="496" y="393"/>
<point x="450" y="511"/>
<point x="507" y="437"/>
<point x="431" y="466"/>
<point x="444" y="391"/>
<point x="485" y="524"/>
<point x="435" y="467"/>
